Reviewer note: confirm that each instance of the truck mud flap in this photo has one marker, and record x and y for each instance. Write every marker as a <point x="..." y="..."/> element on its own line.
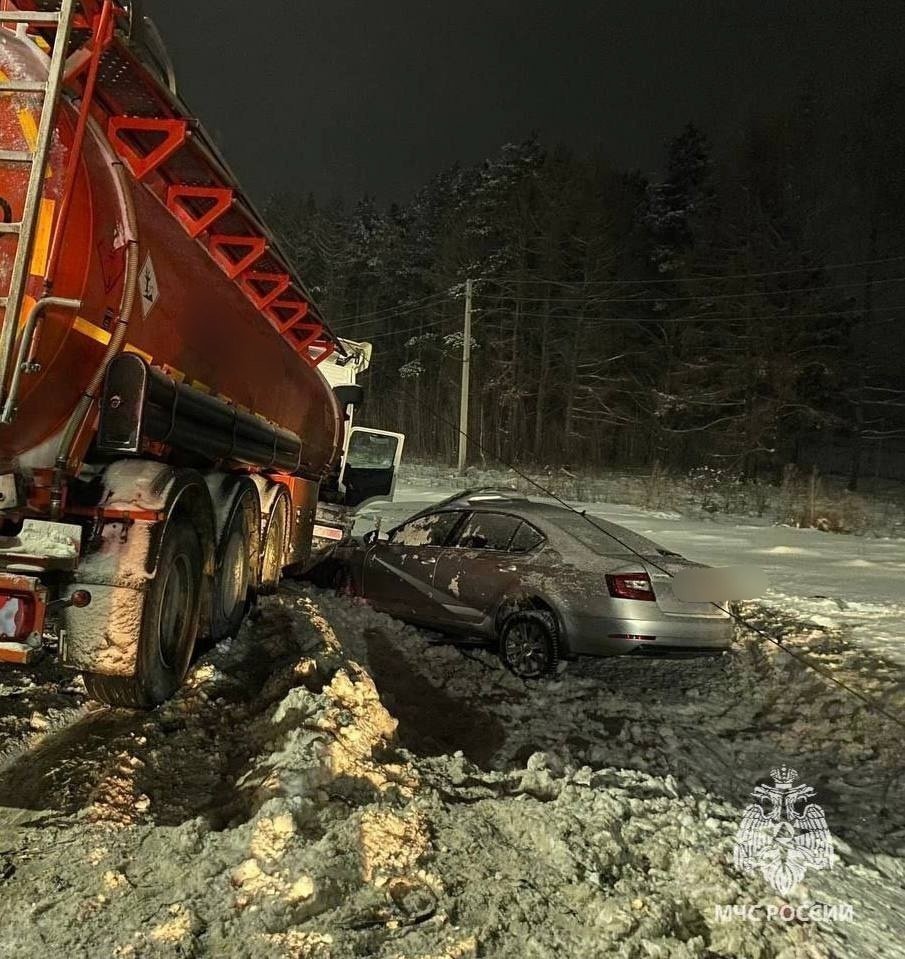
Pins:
<point x="103" y="637"/>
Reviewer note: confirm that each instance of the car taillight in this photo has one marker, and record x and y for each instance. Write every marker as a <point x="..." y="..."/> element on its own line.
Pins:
<point x="630" y="586"/>
<point x="17" y="616"/>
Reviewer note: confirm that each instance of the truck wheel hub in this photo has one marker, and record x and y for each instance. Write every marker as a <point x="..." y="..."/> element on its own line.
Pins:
<point x="234" y="574"/>
<point x="175" y="604"/>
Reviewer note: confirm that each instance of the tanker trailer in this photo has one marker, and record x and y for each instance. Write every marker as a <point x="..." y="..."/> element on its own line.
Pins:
<point x="164" y="426"/>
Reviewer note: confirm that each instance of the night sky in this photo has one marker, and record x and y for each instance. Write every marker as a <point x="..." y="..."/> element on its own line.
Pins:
<point x="344" y="97"/>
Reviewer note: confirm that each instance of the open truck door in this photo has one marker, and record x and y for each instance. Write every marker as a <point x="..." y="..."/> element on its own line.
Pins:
<point x="371" y="464"/>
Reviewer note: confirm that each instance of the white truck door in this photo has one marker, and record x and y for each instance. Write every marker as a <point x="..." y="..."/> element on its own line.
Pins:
<point x="371" y="464"/>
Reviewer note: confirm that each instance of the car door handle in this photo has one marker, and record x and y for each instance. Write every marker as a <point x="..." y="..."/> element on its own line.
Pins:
<point x="428" y="562"/>
<point x="508" y="569"/>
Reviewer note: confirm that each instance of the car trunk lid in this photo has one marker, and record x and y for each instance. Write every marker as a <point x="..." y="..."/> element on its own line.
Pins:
<point x="661" y="570"/>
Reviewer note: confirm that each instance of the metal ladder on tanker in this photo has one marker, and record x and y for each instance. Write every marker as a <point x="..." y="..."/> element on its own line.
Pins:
<point x="11" y="303"/>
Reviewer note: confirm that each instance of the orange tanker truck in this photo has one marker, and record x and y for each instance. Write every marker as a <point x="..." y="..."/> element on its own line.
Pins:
<point x="166" y="433"/>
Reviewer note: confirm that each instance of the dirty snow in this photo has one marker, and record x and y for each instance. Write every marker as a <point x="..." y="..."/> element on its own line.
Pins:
<point x="42" y="539"/>
<point x="335" y="784"/>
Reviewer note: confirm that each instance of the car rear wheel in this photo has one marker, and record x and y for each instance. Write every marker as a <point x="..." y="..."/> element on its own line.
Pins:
<point x="529" y="643"/>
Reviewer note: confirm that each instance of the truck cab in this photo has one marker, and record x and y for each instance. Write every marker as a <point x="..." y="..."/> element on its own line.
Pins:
<point x="369" y="465"/>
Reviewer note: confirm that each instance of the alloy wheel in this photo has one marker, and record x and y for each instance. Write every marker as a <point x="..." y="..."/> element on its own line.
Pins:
<point x="525" y="648"/>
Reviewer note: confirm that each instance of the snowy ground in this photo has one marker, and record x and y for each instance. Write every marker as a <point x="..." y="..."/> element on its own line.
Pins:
<point x="334" y="784"/>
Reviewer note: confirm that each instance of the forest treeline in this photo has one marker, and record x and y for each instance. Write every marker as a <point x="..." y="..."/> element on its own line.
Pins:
<point x="745" y="309"/>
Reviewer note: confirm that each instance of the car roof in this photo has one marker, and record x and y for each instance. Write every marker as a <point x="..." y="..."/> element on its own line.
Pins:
<point x="555" y="520"/>
<point x="475" y="498"/>
<point x="500" y="500"/>
<point x="490" y="498"/>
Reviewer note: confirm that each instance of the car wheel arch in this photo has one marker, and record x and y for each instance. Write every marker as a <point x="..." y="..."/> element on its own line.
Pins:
<point x="530" y="599"/>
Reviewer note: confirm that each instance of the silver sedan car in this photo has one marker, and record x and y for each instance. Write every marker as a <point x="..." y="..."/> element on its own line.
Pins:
<point x="539" y="581"/>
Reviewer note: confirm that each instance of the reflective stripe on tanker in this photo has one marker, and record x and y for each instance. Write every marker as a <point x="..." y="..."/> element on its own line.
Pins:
<point x="103" y="337"/>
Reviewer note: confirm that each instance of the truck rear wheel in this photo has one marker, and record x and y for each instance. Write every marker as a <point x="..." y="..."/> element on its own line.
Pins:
<point x="273" y="553"/>
<point x="170" y="619"/>
<point x="236" y="576"/>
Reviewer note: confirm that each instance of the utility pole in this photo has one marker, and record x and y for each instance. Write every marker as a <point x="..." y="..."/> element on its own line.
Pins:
<point x="466" y="382"/>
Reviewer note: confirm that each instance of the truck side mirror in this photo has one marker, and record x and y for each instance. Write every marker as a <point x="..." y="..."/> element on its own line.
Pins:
<point x="349" y="395"/>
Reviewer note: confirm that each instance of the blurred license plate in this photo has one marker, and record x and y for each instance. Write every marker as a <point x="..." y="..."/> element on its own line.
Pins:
<point x="717" y="585"/>
<point x="329" y="532"/>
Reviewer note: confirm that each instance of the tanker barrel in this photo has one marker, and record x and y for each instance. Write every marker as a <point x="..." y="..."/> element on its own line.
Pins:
<point x="141" y="403"/>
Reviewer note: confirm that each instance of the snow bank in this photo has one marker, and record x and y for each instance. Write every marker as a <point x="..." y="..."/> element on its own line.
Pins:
<point x="336" y="784"/>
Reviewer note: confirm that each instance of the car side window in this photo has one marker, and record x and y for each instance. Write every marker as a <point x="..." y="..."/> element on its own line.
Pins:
<point x="526" y="539"/>
<point x="488" y="531"/>
<point x="430" y="530"/>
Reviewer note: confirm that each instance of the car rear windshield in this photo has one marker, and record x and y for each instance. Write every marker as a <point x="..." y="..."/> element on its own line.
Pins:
<point x="488" y="531"/>
<point x="607" y="539"/>
<point x="526" y="539"/>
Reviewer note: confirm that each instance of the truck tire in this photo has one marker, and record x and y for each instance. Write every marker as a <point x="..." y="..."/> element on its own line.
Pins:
<point x="273" y="551"/>
<point x="170" y="619"/>
<point x="236" y="576"/>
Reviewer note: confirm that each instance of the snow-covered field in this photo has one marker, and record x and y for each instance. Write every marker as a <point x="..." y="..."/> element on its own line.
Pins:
<point x="336" y="784"/>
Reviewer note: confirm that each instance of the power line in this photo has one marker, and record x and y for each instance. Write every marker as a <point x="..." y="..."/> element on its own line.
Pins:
<point x="705" y="319"/>
<point x="603" y="321"/>
<point x="698" y="296"/>
<point x="436" y="299"/>
<point x="671" y="320"/>
<point x="421" y="309"/>
<point x="578" y="284"/>
<point x="403" y="308"/>
<point x="411" y="329"/>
